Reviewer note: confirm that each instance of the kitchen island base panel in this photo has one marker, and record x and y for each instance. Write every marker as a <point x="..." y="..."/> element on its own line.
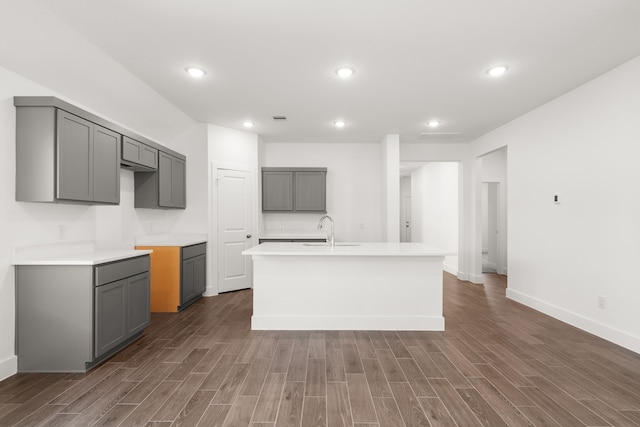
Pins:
<point x="351" y="323"/>
<point x="347" y="293"/>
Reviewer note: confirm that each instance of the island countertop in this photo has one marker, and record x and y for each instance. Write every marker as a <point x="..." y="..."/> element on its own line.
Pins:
<point x="399" y="249"/>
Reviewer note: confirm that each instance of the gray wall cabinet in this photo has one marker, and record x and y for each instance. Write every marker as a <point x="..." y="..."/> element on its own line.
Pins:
<point x="138" y="156"/>
<point x="70" y="318"/>
<point x="68" y="155"/>
<point x="294" y="190"/>
<point x="193" y="274"/>
<point x="165" y="188"/>
<point x="61" y="157"/>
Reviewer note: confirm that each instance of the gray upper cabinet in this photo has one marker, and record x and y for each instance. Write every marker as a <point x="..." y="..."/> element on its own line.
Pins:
<point x="68" y="155"/>
<point x="106" y="178"/>
<point x="294" y="189"/>
<point x="138" y="156"/>
<point x="277" y="191"/>
<point x="165" y="188"/>
<point x="74" y="157"/>
<point x="310" y="191"/>
<point x="61" y="157"/>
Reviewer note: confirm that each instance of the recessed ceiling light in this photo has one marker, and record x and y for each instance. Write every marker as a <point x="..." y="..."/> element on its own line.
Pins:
<point x="248" y="124"/>
<point x="433" y="123"/>
<point x="345" y="72"/>
<point x="497" y="71"/>
<point x="195" y="72"/>
<point x="339" y="123"/>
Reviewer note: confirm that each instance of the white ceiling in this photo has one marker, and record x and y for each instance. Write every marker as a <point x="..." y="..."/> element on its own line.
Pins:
<point x="415" y="59"/>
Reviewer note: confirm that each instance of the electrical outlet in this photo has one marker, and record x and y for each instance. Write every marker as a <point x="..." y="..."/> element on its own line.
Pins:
<point x="62" y="231"/>
<point x="602" y="302"/>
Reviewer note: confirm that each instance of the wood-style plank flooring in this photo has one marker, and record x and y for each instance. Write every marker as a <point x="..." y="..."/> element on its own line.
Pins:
<point x="497" y="364"/>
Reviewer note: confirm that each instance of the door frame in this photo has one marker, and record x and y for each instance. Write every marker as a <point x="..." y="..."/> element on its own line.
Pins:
<point x="213" y="287"/>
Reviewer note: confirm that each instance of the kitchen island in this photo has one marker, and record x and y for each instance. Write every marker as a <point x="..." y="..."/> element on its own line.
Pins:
<point x="352" y="286"/>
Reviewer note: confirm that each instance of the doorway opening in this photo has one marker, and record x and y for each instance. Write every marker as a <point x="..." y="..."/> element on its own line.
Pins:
<point x="493" y="213"/>
<point x="429" y="206"/>
<point x="490" y="227"/>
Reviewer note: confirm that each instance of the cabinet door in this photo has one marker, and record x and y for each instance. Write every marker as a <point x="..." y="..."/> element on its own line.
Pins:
<point x="131" y="150"/>
<point x="139" y="308"/>
<point x="106" y="165"/>
<point x="188" y="285"/>
<point x="310" y="191"/>
<point x="277" y="191"/>
<point x="200" y="274"/>
<point x="164" y="179"/>
<point x="74" y="153"/>
<point x="110" y="316"/>
<point x="178" y="183"/>
<point x="149" y="156"/>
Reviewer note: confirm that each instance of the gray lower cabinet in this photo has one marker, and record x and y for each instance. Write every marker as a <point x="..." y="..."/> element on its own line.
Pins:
<point x="69" y="318"/>
<point x="61" y="157"/>
<point x="165" y="188"/>
<point x="138" y="156"/>
<point x="122" y="310"/>
<point x="111" y="316"/>
<point x="294" y="190"/>
<point x="193" y="274"/>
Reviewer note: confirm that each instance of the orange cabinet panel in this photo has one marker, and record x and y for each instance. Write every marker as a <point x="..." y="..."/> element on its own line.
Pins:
<point x="165" y="277"/>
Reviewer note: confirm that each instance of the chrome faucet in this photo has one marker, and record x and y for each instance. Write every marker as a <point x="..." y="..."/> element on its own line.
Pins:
<point x="332" y="241"/>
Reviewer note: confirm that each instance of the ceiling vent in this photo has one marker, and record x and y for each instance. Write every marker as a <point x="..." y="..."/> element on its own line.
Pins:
<point x="432" y="136"/>
<point x="279" y="118"/>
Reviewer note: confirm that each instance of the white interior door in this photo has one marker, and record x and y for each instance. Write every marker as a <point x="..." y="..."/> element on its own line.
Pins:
<point x="405" y="208"/>
<point x="490" y="227"/>
<point x="406" y="220"/>
<point x="234" y="229"/>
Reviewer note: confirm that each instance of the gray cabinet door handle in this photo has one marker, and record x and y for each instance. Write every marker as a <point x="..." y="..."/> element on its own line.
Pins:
<point x="248" y="236"/>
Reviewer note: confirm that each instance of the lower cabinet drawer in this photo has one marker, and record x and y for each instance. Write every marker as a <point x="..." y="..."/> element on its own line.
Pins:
<point x="107" y="273"/>
<point x="194" y="250"/>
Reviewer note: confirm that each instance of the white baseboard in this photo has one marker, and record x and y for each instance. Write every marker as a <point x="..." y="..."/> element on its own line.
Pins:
<point x="601" y="330"/>
<point x="473" y="278"/>
<point x="450" y="269"/>
<point x="350" y="323"/>
<point x="8" y="367"/>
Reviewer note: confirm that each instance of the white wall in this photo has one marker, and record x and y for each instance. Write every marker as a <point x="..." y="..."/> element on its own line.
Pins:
<point x="354" y="182"/>
<point x="585" y="147"/>
<point x="390" y="146"/>
<point x="236" y="150"/>
<point x="434" y="208"/>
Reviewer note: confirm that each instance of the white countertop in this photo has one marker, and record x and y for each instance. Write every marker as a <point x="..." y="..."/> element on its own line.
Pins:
<point x="83" y="258"/>
<point x="293" y="234"/>
<point x="346" y="249"/>
<point x="170" y="239"/>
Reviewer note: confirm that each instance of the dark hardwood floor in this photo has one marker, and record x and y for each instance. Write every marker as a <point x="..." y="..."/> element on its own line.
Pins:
<point x="497" y="364"/>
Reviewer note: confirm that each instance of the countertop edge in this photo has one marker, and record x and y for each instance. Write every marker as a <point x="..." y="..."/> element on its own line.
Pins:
<point x="86" y="258"/>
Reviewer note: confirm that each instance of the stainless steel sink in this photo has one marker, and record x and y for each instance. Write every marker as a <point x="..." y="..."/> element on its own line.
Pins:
<point x="327" y="244"/>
